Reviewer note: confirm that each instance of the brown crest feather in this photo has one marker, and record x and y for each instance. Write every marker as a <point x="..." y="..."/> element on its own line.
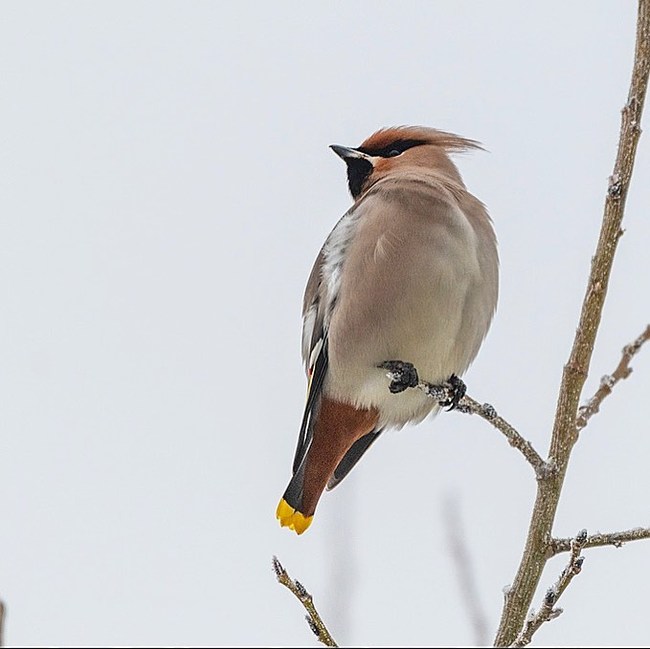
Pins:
<point x="448" y="141"/>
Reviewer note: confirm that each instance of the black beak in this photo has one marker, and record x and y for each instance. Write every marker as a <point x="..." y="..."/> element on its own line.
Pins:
<point x="346" y="153"/>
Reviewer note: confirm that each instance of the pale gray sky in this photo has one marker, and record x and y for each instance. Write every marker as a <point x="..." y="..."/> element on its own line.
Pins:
<point x="166" y="184"/>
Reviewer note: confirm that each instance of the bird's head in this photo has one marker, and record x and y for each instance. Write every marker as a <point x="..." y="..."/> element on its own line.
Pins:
<point x="397" y="149"/>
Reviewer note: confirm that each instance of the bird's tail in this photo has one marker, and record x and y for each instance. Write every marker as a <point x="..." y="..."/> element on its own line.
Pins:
<point x="336" y="427"/>
<point x="288" y="511"/>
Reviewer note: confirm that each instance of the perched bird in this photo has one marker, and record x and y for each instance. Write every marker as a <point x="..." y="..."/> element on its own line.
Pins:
<point x="409" y="273"/>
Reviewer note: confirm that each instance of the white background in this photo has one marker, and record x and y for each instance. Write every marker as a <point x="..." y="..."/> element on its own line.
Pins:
<point x="165" y="185"/>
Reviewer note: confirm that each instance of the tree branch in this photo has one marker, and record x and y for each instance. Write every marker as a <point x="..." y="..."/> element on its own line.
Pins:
<point x="518" y="599"/>
<point x="404" y="375"/>
<point x="462" y="559"/>
<point x="487" y="412"/>
<point x="547" y="612"/>
<point x="313" y="618"/>
<point x="607" y="383"/>
<point x="617" y="539"/>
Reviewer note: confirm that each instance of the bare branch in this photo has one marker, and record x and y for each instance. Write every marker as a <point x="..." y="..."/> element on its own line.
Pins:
<point x="486" y="411"/>
<point x="519" y="597"/>
<point x="404" y="375"/>
<point x="313" y="618"/>
<point x="2" y="623"/>
<point x="547" y="611"/>
<point x="466" y="579"/>
<point x="617" y="539"/>
<point x="607" y="383"/>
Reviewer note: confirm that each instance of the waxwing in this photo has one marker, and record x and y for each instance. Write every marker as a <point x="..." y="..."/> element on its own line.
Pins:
<point x="409" y="273"/>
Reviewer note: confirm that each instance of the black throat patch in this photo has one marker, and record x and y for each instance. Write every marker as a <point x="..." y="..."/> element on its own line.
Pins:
<point x="358" y="172"/>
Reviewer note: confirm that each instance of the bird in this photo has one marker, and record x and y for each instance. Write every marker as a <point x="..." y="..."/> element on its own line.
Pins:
<point x="406" y="280"/>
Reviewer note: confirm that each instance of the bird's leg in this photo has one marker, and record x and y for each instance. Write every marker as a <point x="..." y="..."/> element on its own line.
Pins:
<point x="402" y="375"/>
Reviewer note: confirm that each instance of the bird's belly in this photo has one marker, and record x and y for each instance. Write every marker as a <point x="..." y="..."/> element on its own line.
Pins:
<point x="370" y="389"/>
<point x="406" y="302"/>
<point x="411" y="332"/>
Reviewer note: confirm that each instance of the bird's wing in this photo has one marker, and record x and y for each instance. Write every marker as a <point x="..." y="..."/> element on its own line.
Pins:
<point x="321" y="294"/>
<point x="353" y="455"/>
<point x="314" y="354"/>
<point x="316" y="372"/>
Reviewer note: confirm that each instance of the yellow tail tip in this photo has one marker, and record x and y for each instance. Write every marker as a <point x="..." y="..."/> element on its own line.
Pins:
<point x="291" y="518"/>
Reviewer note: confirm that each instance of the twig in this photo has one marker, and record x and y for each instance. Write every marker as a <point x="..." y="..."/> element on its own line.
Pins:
<point x="519" y="597"/>
<point x="404" y="375"/>
<point x="314" y="620"/>
<point x="486" y="411"/>
<point x="2" y="623"/>
<point x="607" y="383"/>
<point x="466" y="579"/>
<point x="617" y="539"/>
<point x="547" y="611"/>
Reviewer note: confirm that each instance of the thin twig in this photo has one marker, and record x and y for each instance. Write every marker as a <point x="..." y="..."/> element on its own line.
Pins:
<point x="2" y="623"/>
<point x="313" y="618"/>
<point x="617" y="539"/>
<point x="462" y="559"/>
<point x="486" y="411"/>
<point x="607" y="383"/>
<point x="547" y="610"/>
<point x="452" y="393"/>
<point x="519" y="597"/>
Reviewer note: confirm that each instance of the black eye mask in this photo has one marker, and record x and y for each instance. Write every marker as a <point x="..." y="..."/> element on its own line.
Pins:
<point x="392" y="150"/>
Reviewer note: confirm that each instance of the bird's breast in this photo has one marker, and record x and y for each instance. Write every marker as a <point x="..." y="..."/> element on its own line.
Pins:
<point x="406" y="284"/>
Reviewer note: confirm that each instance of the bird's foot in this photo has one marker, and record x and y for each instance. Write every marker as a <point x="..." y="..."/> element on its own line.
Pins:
<point x="455" y="390"/>
<point x="402" y="375"/>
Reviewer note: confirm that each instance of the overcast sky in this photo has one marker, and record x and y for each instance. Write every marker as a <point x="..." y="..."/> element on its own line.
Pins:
<point x="166" y="183"/>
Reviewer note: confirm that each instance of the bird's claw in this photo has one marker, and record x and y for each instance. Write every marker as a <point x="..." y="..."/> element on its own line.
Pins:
<point x="456" y="391"/>
<point x="402" y="375"/>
